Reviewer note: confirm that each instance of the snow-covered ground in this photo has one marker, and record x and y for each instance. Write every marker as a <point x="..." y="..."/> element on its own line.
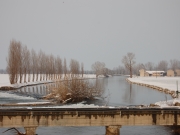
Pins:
<point x="4" y="80"/>
<point x="163" y="82"/>
<point x="168" y="103"/>
<point x="168" y="83"/>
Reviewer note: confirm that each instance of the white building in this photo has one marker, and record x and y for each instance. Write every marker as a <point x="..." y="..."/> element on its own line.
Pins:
<point x="143" y="73"/>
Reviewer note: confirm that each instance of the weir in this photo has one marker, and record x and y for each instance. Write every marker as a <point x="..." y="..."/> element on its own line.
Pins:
<point x="111" y="118"/>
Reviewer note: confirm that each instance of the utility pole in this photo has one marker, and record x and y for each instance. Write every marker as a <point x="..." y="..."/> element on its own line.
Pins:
<point x="177" y="92"/>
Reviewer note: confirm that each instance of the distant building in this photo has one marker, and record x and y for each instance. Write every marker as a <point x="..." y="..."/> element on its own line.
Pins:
<point x="143" y="73"/>
<point x="177" y="72"/>
<point x="170" y="73"/>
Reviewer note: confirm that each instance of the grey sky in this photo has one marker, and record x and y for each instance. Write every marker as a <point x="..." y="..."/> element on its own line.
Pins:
<point x="93" y="30"/>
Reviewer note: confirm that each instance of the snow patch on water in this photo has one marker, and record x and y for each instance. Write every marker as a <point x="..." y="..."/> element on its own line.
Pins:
<point x="14" y="96"/>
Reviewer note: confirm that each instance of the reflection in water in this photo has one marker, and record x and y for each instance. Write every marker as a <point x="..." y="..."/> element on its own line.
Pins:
<point x="37" y="91"/>
<point x="121" y="93"/>
<point x="28" y="89"/>
<point x="130" y="95"/>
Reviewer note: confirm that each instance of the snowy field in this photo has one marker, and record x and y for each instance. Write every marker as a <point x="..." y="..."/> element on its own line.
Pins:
<point x="169" y="83"/>
<point x="163" y="82"/>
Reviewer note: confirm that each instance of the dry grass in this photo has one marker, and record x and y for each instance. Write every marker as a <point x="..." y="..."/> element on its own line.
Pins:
<point x="73" y="89"/>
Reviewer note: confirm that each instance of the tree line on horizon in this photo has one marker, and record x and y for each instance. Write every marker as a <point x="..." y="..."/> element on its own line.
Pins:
<point x="24" y="65"/>
<point x="21" y="63"/>
<point x="130" y="67"/>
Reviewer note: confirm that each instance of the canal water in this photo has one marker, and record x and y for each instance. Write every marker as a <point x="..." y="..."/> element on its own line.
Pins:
<point x="117" y="92"/>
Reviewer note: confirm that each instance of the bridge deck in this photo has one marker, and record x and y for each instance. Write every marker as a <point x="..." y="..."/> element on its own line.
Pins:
<point x="19" y="117"/>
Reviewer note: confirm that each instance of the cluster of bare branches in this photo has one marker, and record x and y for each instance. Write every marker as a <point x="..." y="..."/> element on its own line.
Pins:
<point x="161" y="65"/>
<point x="120" y="70"/>
<point x="24" y="65"/>
<point x="14" y="61"/>
<point x="98" y="68"/>
<point x="74" y="89"/>
<point x="74" y="68"/>
<point x="129" y="62"/>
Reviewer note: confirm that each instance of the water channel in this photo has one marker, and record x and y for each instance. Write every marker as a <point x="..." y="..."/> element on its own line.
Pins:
<point x="117" y="92"/>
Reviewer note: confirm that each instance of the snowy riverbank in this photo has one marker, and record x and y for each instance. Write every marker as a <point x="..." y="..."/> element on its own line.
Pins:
<point x="163" y="84"/>
<point x="5" y="84"/>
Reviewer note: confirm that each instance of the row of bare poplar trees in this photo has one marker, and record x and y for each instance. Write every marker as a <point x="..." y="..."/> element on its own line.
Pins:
<point x="24" y="65"/>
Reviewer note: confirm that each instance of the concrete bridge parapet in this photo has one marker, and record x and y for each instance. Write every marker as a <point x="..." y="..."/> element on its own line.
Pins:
<point x="111" y="118"/>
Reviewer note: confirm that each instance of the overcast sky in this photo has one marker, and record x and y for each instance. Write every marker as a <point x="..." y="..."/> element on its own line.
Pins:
<point x="93" y="30"/>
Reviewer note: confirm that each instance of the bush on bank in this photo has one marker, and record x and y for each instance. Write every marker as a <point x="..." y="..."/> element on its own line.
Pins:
<point x="74" y="89"/>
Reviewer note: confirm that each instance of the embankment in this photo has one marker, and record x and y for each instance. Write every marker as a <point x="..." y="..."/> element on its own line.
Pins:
<point x="165" y="90"/>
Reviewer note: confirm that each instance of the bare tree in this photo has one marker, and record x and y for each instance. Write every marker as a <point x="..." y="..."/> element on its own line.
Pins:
<point x="60" y="67"/>
<point x="43" y="66"/>
<point x="33" y="66"/>
<point x="47" y="68"/>
<point x="98" y="68"/>
<point x="65" y="68"/>
<point x="38" y="65"/>
<point x="149" y="66"/>
<point x="137" y="67"/>
<point x="129" y="62"/>
<point x="29" y="64"/>
<point x="52" y="66"/>
<point x="55" y="68"/>
<point x="82" y="69"/>
<point x="174" y="64"/>
<point x="120" y="70"/>
<point x="74" y="68"/>
<point x="14" y="62"/>
<point x="25" y="61"/>
<point x="11" y="61"/>
<point x="162" y="65"/>
<point x="41" y="57"/>
<point x="20" y="62"/>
